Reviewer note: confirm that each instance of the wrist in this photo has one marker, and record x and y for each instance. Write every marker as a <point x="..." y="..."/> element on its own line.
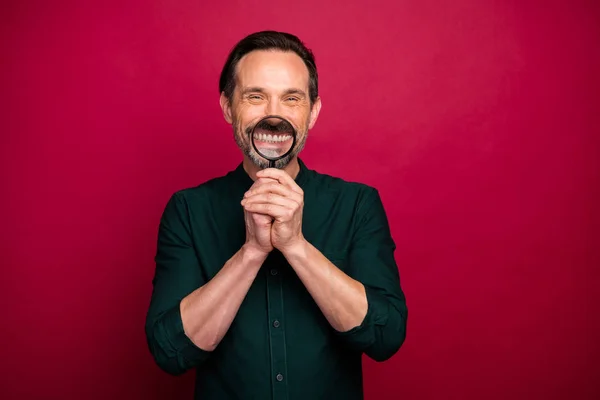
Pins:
<point x="253" y="255"/>
<point x="296" y="250"/>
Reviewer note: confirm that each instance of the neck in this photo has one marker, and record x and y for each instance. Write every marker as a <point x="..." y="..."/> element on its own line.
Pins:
<point x="292" y="169"/>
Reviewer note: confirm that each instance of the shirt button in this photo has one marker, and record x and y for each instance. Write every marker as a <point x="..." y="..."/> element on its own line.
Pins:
<point x="276" y="324"/>
<point x="273" y="271"/>
<point x="279" y="377"/>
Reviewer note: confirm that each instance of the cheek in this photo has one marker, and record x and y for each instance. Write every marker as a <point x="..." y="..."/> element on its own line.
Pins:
<point x="303" y="121"/>
<point x="246" y="114"/>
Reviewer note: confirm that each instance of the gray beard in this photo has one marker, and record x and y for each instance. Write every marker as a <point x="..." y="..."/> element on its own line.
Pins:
<point x="262" y="163"/>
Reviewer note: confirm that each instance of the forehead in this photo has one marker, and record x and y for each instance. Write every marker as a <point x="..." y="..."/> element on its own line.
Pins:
<point x="272" y="69"/>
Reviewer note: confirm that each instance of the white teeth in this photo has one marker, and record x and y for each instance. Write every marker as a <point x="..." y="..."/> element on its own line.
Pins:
<point x="263" y="137"/>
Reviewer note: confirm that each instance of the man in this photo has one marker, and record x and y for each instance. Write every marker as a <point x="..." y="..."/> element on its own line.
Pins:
<point x="272" y="282"/>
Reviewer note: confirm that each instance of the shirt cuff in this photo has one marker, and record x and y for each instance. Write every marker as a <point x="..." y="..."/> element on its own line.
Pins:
<point x="188" y="354"/>
<point x="364" y="336"/>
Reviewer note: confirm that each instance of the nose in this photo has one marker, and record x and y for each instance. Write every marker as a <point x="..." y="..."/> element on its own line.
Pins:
<point x="273" y="107"/>
<point x="273" y="121"/>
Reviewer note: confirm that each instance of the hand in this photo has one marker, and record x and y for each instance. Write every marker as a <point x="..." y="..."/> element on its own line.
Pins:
<point x="258" y="226"/>
<point x="283" y="200"/>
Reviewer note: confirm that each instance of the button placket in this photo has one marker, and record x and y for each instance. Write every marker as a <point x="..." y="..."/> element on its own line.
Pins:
<point x="276" y="331"/>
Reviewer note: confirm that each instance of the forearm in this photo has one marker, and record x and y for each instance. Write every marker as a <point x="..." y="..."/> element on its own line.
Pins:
<point x="207" y="312"/>
<point x="342" y="300"/>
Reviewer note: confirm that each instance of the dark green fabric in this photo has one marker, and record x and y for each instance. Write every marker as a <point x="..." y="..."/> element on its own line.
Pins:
<point x="279" y="346"/>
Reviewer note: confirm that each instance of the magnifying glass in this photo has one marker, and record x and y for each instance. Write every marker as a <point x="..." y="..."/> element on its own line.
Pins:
<point x="273" y="138"/>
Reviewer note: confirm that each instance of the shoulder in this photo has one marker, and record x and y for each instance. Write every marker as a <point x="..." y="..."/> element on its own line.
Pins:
<point x="205" y="189"/>
<point x="358" y="201"/>
<point x="358" y="197"/>
<point x="342" y="186"/>
<point x="204" y="194"/>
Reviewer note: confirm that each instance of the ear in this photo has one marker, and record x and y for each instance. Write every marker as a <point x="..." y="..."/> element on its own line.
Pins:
<point x="314" y="113"/>
<point x="226" y="108"/>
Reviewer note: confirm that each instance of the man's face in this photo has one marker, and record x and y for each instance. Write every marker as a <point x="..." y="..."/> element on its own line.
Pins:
<point x="271" y="83"/>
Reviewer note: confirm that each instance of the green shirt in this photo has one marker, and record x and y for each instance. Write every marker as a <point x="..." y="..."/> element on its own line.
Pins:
<point x="279" y="346"/>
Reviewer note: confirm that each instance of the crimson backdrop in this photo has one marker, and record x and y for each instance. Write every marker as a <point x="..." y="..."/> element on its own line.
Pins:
<point x="477" y="120"/>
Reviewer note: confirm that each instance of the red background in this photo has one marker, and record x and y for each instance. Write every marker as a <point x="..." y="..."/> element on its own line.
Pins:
<point x="477" y="120"/>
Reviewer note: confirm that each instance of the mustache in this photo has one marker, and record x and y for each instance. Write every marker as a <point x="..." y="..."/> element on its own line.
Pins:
<point x="283" y="126"/>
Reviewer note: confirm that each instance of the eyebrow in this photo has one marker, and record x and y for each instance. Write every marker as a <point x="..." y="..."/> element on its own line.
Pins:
<point x="257" y="89"/>
<point x="252" y="90"/>
<point x="295" y="91"/>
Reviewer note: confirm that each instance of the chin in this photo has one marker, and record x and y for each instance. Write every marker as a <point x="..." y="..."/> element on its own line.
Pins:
<point x="257" y="160"/>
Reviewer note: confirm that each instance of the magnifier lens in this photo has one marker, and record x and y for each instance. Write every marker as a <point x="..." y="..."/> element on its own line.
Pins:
<point x="273" y="138"/>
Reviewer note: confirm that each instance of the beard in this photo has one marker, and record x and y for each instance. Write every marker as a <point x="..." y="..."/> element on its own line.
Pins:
<point x="243" y="139"/>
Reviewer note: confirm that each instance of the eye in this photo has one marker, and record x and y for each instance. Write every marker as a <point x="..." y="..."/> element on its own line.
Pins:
<point x="292" y="99"/>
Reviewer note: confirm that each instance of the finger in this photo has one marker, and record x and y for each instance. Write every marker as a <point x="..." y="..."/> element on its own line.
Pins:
<point x="283" y="177"/>
<point x="262" y="220"/>
<point x="276" y="188"/>
<point x="271" y="198"/>
<point x="262" y="181"/>
<point x="277" y="174"/>
<point x="274" y="210"/>
<point x="248" y="214"/>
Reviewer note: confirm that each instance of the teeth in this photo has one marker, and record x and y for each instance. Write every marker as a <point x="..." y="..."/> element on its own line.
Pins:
<point x="263" y="137"/>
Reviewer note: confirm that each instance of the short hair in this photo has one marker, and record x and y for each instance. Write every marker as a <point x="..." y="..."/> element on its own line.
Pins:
<point x="269" y="40"/>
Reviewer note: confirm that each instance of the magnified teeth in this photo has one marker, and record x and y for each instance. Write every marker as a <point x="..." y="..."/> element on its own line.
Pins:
<point x="264" y="137"/>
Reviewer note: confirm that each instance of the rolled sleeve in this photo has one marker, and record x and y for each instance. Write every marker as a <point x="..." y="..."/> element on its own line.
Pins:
<point x="177" y="274"/>
<point x="371" y="262"/>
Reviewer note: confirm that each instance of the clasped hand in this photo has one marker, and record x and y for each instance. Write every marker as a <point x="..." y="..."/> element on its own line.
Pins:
<point x="273" y="208"/>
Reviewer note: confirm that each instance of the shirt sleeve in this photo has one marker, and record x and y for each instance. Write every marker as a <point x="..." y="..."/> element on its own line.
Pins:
<point x="177" y="274"/>
<point x="371" y="262"/>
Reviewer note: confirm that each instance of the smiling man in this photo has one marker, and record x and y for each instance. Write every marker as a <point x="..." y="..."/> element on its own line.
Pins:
<point x="272" y="282"/>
